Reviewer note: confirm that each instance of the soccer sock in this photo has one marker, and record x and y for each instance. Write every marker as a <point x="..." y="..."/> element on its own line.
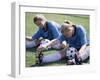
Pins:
<point x="30" y="44"/>
<point x="51" y="57"/>
<point x="85" y="54"/>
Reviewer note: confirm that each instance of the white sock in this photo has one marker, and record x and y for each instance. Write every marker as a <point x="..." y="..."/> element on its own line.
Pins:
<point x="30" y="44"/>
<point x="85" y="54"/>
<point x="52" y="57"/>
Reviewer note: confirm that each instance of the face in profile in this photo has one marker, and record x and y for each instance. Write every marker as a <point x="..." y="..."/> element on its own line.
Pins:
<point x="68" y="32"/>
<point x="40" y="23"/>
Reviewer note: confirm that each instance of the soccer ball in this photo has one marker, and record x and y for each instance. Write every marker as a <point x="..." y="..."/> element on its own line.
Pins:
<point x="45" y="42"/>
<point x="71" y="52"/>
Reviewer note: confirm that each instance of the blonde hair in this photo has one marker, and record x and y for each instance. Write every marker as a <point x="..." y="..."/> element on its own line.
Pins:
<point x="69" y="22"/>
<point x="66" y="25"/>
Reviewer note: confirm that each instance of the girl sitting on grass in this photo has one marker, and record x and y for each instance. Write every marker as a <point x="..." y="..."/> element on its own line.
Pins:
<point x="46" y="29"/>
<point x="75" y="36"/>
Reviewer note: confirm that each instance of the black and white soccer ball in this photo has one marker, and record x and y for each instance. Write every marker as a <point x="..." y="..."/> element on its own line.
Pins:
<point x="45" y="42"/>
<point x="71" y="52"/>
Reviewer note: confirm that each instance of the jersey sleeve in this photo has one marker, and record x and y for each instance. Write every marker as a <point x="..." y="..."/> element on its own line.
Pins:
<point x="82" y="35"/>
<point x="54" y="29"/>
<point x="61" y="38"/>
<point x="37" y="34"/>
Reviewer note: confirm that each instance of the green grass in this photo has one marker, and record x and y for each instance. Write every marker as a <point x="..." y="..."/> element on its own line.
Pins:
<point x="31" y="28"/>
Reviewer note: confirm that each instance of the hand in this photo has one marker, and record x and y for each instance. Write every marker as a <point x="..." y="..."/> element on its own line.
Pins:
<point x="78" y="59"/>
<point x="41" y="48"/>
<point x="64" y="44"/>
<point x="78" y="55"/>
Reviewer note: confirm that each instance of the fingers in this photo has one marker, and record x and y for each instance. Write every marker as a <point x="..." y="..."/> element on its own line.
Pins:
<point x="40" y="48"/>
<point x="78" y="55"/>
<point x="64" y="44"/>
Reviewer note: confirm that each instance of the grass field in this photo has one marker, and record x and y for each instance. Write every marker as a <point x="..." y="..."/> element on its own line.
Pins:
<point x="31" y="28"/>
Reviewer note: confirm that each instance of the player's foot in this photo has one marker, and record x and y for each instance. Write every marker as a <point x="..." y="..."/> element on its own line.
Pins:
<point x="40" y="57"/>
<point x="71" y="62"/>
<point x="78" y="60"/>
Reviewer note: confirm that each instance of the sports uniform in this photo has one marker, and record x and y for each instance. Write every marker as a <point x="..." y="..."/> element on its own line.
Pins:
<point x="52" y="31"/>
<point x="77" y="40"/>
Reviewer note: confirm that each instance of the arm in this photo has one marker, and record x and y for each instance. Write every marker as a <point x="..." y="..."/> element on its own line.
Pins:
<point x="37" y="35"/>
<point x="51" y="43"/>
<point x="82" y="48"/>
<point x="29" y="38"/>
<point x="83" y="39"/>
<point x="55" y="41"/>
<point x="82" y="35"/>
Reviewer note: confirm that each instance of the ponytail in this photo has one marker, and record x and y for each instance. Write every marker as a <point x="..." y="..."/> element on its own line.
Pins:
<point x="69" y="22"/>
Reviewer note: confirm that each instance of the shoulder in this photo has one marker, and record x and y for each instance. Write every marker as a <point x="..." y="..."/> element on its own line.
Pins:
<point x="80" y="28"/>
<point x="52" y="23"/>
<point x="61" y="37"/>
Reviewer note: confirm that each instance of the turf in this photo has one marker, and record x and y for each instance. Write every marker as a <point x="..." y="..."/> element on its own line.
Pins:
<point x="31" y="28"/>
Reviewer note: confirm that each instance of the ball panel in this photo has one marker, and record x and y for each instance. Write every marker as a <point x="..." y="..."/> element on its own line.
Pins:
<point x="70" y="53"/>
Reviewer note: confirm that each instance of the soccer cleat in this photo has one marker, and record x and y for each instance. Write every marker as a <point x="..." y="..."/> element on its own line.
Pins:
<point x="39" y="57"/>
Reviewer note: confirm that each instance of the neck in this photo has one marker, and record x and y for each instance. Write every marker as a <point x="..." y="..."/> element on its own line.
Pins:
<point x="73" y="32"/>
<point x="45" y="26"/>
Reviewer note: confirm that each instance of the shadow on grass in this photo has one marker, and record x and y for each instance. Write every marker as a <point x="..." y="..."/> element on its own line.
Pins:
<point x="31" y="49"/>
<point x="34" y="49"/>
<point x="56" y="63"/>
